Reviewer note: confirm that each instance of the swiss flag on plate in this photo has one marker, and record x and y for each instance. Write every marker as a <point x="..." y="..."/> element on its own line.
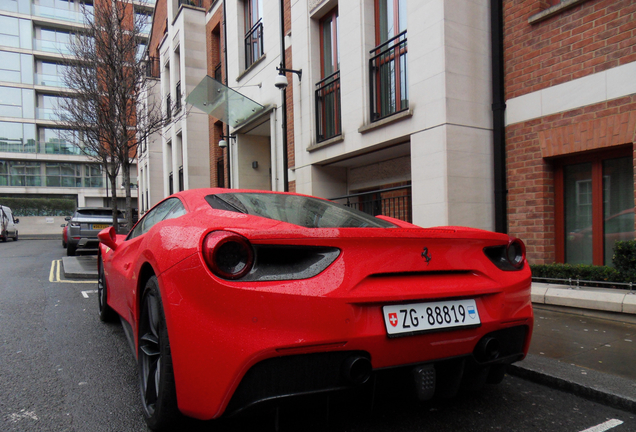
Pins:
<point x="393" y="319"/>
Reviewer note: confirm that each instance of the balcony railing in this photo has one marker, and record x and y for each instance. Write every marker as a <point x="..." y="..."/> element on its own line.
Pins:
<point x="195" y="3"/>
<point x="328" y="123"/>
<point x="52" y="46"/>
<point x="32" y="146"/>
<point x="152" y="67"/>
<point x="254" y="43"/>
<point x="49" y="80"/>
<point x="177" y="102"/>
<point x="46" y="114"/>
<point x="392" y="202"/>
<point x="168" y="108"/>
<point x="181" y="185"/>
<point x="388" y="78"/>
<point x="22" y="180"/>
<point x="170" y="185"/>
<point x="61" y="14"/>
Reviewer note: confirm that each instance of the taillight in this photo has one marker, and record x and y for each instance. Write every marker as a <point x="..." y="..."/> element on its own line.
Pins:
<point x="508" y="257"/>
<point x="515" y="253"/>
<point x="228" y="255"/>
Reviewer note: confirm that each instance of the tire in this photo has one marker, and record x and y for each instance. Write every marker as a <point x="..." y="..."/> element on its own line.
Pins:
<point x="16" y="236"/>
<point x="106" y="313"/>
<point x="156" y="375"/>
<point x="70" y="249"/>
<point x="4" y="236"/>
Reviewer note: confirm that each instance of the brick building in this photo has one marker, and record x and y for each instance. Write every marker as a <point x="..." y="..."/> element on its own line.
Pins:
<point x="570" y="90"/>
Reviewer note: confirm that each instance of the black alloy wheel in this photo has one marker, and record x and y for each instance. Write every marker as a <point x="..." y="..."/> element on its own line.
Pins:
<point x="106" y="313"/>
<point x="70" y="249"/>
<point x="156" y="376"/>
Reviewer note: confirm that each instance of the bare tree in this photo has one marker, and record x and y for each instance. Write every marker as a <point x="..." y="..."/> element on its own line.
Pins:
<point x="106" y="74"/>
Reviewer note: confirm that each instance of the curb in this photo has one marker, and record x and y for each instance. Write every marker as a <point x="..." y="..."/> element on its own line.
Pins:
<point x="596" y="386"/>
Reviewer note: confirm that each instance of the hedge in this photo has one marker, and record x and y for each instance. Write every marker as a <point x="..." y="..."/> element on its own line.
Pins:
<point x="624" y="270"/>
<point x="39" y="206"/>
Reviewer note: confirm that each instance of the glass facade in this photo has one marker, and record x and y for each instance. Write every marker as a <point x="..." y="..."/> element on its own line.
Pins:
<point x="50" y="174"/>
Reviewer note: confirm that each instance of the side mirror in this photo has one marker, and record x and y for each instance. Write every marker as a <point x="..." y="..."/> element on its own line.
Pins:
<point x="67" y="218"/>
<point x="63" y="225"/>
<point x="16" y="220"/>
<point x="108" y="236"/>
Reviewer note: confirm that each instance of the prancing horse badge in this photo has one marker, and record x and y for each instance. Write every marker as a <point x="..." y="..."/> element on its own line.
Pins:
<point x="427" y="256"/>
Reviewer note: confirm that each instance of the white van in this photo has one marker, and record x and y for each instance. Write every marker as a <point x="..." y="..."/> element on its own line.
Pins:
<point x="7" y="224"/>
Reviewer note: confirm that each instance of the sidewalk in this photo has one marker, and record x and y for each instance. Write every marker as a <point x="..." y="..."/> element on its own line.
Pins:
<point x="584" y="339"/>
<point x="584" y="342"/>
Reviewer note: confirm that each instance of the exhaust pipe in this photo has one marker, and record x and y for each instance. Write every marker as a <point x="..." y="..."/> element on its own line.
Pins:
<point x="356" y="369"/>
<point x="488" y="349"/>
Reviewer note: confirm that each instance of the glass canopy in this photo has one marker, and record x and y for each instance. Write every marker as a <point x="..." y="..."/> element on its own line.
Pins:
<point x="223" y="103"/>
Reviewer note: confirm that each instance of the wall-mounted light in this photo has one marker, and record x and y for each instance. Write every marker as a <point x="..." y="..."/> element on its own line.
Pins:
<point x="255" y="164"/>
<point x="224" y="138"/>
<point x="281" y="80"/>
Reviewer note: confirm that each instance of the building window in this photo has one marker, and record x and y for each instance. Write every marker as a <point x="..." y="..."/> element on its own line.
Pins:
<point x="17" y="137"/>
<point x="253" y="31"/>
<point x="388" y="62"/>
<point x="328" y="88"/>
<point x="594" y="207"/>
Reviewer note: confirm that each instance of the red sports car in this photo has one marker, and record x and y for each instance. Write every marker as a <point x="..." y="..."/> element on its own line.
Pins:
<point x="235" y="297"/>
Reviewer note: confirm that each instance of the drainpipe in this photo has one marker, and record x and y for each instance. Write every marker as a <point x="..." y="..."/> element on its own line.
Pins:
<point x="284" y="96"/>
<point x="227" y="126"/>
<point x="498" y="115"/>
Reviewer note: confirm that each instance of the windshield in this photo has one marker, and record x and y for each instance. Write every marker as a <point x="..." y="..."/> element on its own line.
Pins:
<point x="98" y="212"/>
<point x="304" y="211"/>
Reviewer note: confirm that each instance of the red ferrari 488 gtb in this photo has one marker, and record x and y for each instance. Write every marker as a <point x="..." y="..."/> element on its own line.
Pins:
<point x="233" y="298"/>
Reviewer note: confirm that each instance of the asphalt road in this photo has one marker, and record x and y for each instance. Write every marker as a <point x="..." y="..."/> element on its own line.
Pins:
<point x="61" y="369"/>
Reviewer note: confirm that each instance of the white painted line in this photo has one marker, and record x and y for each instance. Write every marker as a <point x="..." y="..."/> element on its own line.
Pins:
<point x="610" y="424"/>
<point x="86" y="293"/>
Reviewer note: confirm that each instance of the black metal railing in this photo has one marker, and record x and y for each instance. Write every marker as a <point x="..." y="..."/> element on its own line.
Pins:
<point x="177" y="102"/>
<point x="195" y="3"/>
<point x="168" y="108"/>
<point x="254" y="43"/>
<point x="152" y="67"/>
<point x="328" y="123"/>
<point x="170" y="185"/>
<point x="392" y="202"/>
<point x="218" y="72"/>
<point x="180" y="178"/>
<point x="388" y="77"/>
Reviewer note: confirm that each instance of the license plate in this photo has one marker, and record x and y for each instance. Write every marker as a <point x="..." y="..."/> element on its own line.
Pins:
<point x="420" y="317"/>
<point x="100" y="226"/>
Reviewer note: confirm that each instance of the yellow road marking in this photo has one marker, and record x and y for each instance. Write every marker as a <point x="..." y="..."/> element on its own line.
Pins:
<point x="54" y="275"/>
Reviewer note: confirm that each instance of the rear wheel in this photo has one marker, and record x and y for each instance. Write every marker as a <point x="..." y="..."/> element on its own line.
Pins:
<point x="70" y="249"/>
<point x="106" y="313"/>
<point x="4" y="236"/>
<point x="16" y="236"/>
<point x="156" y="376"/>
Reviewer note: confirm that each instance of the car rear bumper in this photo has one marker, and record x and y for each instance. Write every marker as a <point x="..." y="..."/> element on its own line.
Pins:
<point x="222" y="333"/>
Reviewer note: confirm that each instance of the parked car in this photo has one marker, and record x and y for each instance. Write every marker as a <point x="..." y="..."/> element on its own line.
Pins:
<point x="8" y="224"/>
<point x="84" y="226"/>
<point x="233" y="298"/>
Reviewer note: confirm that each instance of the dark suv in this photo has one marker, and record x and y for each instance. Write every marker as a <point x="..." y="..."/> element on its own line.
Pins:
<point x="84" y="225"/>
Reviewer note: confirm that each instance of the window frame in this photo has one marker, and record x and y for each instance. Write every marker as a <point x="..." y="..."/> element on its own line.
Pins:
<point x="596" y="158"/>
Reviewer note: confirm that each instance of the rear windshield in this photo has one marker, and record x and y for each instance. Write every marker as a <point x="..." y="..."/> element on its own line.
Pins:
<point x="304" y="211"/>
<point x="98" y="212"/>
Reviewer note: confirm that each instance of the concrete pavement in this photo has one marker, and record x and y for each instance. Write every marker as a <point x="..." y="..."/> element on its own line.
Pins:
<point x="584" y="339"/>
